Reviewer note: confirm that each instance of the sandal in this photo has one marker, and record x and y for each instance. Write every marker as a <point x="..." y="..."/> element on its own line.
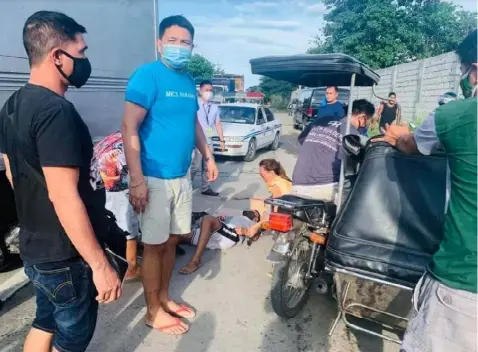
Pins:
<point x="184" y="309"/>
<point x="177" y="323"/>
<point x="184" y="272"/>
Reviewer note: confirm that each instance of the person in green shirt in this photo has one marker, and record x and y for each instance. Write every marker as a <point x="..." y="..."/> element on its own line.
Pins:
<point x="444" y="314"/>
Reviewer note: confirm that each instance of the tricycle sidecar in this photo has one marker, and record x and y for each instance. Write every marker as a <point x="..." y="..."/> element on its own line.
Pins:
<point x="391" y="221"/>
<point x="386" y="232"/>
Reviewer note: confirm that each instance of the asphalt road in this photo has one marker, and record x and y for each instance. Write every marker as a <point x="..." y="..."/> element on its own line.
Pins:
<point x="230" y="292"/>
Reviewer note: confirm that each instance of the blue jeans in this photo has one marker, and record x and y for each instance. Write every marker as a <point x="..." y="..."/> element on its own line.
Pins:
<point x="66" y="304"/>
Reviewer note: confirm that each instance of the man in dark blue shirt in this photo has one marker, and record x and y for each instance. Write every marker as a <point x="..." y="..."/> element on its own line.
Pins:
<point x="317" y="171"/>
<point x="333" y="107"/>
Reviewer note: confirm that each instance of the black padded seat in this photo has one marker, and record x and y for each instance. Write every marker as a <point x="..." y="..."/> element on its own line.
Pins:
<point x="392" y="221"/>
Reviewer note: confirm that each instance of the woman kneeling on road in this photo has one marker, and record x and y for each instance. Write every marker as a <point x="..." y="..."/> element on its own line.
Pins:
<point x="278" y="184"/>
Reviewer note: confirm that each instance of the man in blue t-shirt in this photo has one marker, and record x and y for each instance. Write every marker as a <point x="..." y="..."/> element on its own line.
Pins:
<point x="332" y="107"/>
<point x="160" y="131"/>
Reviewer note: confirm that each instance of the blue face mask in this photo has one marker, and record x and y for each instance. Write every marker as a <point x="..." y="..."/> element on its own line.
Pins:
<point x="176" y="56"/>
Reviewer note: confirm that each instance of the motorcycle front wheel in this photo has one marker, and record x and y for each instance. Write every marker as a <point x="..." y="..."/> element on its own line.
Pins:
<point x="290" y="281"/>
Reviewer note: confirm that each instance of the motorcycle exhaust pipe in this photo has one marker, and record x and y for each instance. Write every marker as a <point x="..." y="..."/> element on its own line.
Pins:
<point x="322" y="286"/>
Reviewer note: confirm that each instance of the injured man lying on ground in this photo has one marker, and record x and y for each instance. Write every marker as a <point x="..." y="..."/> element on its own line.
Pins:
<point x="221" y="232"/>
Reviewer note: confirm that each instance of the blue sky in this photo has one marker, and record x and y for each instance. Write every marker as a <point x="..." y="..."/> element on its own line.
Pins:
<point x="231" y="32"/>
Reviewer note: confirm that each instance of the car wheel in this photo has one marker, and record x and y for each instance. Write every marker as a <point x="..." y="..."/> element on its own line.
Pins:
<point x="251" y="151"/>
<point x="275" y="143"/>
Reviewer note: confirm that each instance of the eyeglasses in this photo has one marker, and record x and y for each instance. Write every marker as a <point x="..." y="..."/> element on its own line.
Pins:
<point x="182" y="42"/>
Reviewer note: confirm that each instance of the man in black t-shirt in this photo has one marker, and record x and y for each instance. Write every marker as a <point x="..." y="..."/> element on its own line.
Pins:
<point x="388" y="111"/>
<point x="47" y="151"/>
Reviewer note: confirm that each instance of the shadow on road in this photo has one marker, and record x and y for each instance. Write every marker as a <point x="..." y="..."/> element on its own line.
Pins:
<point x="125" y="319"/>
<point x="17" y="326"/>
<point x="21" y="296"/>
<point x="308" y="331"/>
<point x="200" y="336"/>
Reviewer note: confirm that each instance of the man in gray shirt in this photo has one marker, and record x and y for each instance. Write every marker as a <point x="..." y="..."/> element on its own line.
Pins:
<point x="317" y="171"/>
<point x="208" y="116"/>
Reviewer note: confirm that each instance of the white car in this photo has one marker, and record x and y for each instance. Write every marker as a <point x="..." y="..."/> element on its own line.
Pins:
<point x="247" y="128"/>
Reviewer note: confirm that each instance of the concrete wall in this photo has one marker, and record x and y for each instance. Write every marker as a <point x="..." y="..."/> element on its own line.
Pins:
<point x="120" y="38"/>
<point x="418" y="84"/>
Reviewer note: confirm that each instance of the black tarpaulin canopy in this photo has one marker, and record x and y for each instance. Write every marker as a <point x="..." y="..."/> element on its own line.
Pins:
<point x="315" y="70"/>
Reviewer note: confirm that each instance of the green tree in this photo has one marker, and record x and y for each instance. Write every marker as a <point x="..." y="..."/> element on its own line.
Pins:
<point x="253" y="89"/>
<point x="218" y="70"/>
<point x="271" y="87"/>
<point x="276" y="92"/>
<point x="200" y="68"/>
<point x="383" y="33"/>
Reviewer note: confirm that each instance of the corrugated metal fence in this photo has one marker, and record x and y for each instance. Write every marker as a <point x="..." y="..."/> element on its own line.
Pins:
<point x="418" y="84"/>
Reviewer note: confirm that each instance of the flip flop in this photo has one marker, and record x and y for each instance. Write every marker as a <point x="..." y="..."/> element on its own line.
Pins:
<point x="184" y="308"/>
<point x="189" y="273"/>
<point x="177" y="322"/>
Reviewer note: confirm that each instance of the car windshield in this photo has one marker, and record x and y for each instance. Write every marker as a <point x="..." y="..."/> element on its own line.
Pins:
<point x="237" y="114"/>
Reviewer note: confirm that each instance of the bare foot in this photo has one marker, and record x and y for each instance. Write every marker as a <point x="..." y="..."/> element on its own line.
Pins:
<point x="179" y="310"/>
<point x="191" y="267"/>
<point x="166" y="323"/>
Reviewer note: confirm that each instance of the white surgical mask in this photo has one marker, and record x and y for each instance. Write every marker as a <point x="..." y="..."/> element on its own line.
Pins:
<point x="207" y="95"/>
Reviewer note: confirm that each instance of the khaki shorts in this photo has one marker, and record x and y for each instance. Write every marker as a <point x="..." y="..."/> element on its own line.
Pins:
<point x="168" y="211"/>
<point x="442" y="319"/>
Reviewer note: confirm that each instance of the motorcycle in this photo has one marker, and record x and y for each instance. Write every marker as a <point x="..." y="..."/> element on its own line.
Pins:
<point x="301" y="228"/>
<point x="385" y="232"/>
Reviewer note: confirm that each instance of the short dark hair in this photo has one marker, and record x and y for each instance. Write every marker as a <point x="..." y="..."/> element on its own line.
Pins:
<point x="45" y="30"/>
<point x="363" y="106"/>
<point x="467" y="49"/>
<point x="176" y="20"/>
<point x="335" y="87"/>
<point x="391" y="93"/>
<point x="205" y="82"/>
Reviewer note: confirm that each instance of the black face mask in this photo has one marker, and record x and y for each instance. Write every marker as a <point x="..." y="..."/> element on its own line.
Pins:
<point x="81" y="70"/>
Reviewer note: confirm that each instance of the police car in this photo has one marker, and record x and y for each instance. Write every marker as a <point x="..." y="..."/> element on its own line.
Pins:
<point x="247" y="128"/>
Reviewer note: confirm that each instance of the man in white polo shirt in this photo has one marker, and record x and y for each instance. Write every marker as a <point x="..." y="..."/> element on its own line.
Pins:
<point x="208" y="116"/>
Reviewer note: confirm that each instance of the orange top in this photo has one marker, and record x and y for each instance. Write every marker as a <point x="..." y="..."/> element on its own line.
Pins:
<point x="281" y="185"/>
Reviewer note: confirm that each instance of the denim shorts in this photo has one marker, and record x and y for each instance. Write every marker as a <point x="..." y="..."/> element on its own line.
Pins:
<point x="442" y="319"/>
<point x="66" y="304"/>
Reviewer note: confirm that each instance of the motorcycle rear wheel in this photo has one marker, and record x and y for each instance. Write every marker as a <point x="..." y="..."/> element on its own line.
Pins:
<point x="290" y="287"/>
